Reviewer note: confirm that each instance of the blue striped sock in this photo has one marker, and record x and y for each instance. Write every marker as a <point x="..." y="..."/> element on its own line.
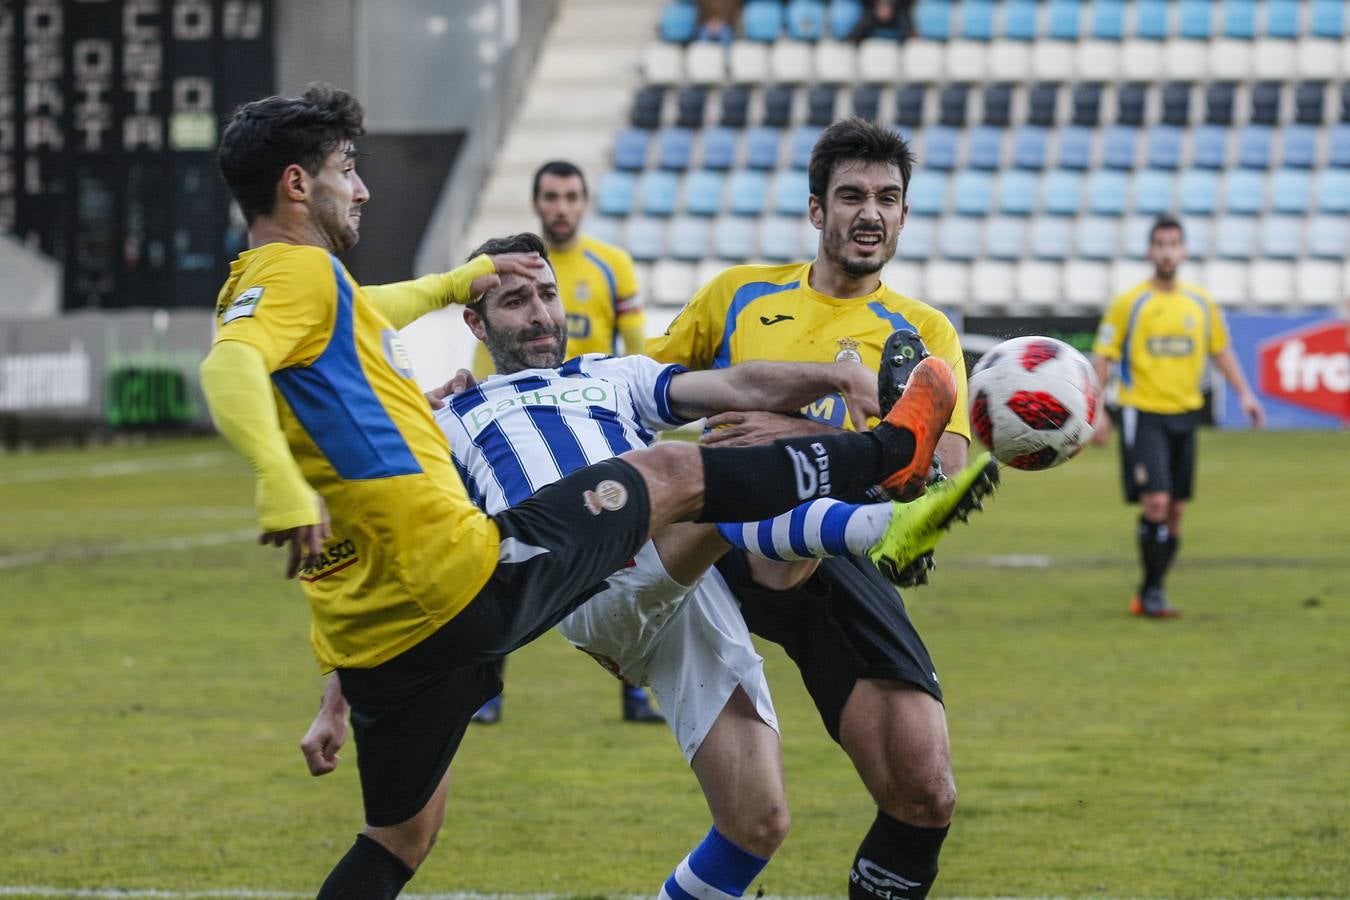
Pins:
<point x="714" y="870"/>
<point x="813" y="530"/>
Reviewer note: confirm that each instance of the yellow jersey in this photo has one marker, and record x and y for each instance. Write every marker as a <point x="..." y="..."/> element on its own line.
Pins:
<point x="1161" y="340"/>
<point x="409" y="550"/>
<point x="599" y="293"/>
<point x="772" y="313"/>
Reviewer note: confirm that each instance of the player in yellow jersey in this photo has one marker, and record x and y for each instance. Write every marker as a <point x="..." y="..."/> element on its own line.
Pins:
<point x="1160" y="333"/>
<point x="864" y="664"/>
<point x="414" y="592"/>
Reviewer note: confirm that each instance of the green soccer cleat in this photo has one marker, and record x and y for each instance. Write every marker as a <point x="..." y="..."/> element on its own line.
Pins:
<point x="916" y="527"/>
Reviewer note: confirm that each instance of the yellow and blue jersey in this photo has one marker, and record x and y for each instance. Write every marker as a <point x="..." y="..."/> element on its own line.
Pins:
<point x="772" y="313"/>
<point x="409" y="550"/>
<point x="1161" y="340"/>
<point x="599" y="293"/>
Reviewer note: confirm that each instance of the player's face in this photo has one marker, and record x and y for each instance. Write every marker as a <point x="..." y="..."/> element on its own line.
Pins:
<point x="1167" y="251"/>
<point x="339" y="193"/>
<point x="523" y="323"/>
<point x="860" y="216"/>
<point x="560" y="204"/>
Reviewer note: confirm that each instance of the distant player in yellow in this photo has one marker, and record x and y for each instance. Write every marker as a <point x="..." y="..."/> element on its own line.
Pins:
<point x="1160" y="333"/>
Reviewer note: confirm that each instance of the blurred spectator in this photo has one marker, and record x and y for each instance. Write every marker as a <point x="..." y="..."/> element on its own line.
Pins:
<point x="717" y="20"/>
<point x="885" y="19"/>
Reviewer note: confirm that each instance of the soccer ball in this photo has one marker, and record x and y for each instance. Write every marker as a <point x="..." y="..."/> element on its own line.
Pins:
<point x="1033" y="402"/>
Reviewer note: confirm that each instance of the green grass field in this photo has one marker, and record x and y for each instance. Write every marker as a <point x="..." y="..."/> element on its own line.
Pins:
<point x="156" y="678"/>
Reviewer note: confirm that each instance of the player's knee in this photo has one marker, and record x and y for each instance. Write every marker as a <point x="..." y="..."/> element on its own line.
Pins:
<point x="763" y="833"/>
<point x="928" y="803"/>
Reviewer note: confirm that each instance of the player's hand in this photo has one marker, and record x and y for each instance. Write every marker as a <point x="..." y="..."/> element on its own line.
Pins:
<point x="749" y="429"/>
<point x="1253" y="410"/>
<point x="461" y="382"/>
<point x="325" y="737"/>
<point x="526" y="264"/>
<point x="858" y="387"/>
<point x="305" y="542"/>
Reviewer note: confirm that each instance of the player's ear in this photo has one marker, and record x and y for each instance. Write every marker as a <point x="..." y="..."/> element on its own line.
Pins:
<point x="475" y="323"/>
<point x="815" y="212"/>
<point x="294" y="184"/>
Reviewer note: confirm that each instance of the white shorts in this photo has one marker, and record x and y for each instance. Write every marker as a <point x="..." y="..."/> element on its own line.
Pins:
<point x="690" y="645"/>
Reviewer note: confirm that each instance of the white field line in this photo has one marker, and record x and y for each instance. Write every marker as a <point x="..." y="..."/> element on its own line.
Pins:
<point x="193" y="542"/>
<point x="204" y="460"/>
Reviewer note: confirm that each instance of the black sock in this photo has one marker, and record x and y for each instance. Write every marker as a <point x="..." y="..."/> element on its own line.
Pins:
<point x="1170" y="550"/>
<point x="896" y="860"/>
<point x="748" y="483"/>
<point x="1153" y="553"/>
<point x="369" y="871"/>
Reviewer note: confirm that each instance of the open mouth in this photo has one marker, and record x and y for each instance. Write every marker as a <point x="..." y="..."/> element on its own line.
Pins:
<point x="867" y="241"/>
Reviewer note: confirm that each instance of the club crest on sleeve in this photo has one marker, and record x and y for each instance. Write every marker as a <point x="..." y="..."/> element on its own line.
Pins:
<point x="246" y="304"/>
<point x="607" y="495"/>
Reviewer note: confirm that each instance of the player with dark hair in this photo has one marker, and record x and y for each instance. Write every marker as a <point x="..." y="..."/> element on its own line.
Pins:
<point x="413" y="591"/>
<point x="862" y="661"/>
<point x="1160" y="333"/>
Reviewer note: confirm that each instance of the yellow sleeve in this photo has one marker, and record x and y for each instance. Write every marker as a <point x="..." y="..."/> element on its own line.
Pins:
<point x="239" y="393"/>
<point x="946" y="345"/>
<point x="286" y="307"/>
<point x="1111" y="331"/>
<point x="693" y="337"/>
<point x="406" y="301"/>
<point x="1218" y="328"/>
<point x="482" y="362"/>
<point x="633" y="329"/>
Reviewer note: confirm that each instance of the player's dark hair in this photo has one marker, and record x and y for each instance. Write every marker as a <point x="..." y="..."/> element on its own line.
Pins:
<point x="525" y="242"/>
<point x="561" y="168"/>
<point x="1162" y="223"/>
<point x="266" y="136"/>
<point x="856" y="139"/>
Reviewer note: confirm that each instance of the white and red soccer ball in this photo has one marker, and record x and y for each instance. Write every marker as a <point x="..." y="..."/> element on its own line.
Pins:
<point x="1033" y="402"/>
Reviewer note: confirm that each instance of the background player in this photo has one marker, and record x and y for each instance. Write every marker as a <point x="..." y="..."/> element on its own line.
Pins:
<point x="600" y="293"/>
<point x="862" y="661"/>
<point x="1161" y="332"/>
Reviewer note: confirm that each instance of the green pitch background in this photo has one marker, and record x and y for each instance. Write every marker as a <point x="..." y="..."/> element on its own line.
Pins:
<point x="155" y="679"/>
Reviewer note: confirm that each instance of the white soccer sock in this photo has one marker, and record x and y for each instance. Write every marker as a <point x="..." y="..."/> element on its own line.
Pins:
<point x="813" y="530"/>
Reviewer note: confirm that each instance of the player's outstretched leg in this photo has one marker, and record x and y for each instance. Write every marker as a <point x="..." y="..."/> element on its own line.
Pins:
<point x="922" y="410"/>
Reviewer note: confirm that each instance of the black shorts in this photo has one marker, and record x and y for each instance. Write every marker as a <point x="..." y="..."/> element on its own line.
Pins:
<point x="409" y="714"/>
<point x="1157" y="453"/>
<point x="846" y="622"/>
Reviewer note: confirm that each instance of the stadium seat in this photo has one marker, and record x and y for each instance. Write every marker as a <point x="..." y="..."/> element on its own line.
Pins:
<point x="952" y="103"/>
<point x="1075" y="147"/>
<point x="867" y="102"/>
<point x="657" y="191"/>
<point x="688" y="239"/>
<point x="705" y="63"/>
<point x="1119" y="147"/>
<point x="878" y="60"/>
<point x="984" y="147"/>
<point x="1108" y="20"/>
<point x="1053" y="60"/>
<point x="916" y="241"/>
<point x="1039" y="282"/>
<point x="801" y="140"/>
<point x="1235" y="237"/>
<point x="748" y="191"/>
<point x="1338" y="145"/>
<point x="777" y="106"/>
<point x="630" y="149"/>
<point x="1106" y="192"/>
<point x="675" y="148"/>
<point x="645" y="239"/>
<point x="1227" y="280"/>
<point x="1150" y="20"/>
<point x="1209" y="147"/>
<point x="946" y="282"/>
<point x="762" y="147"/>
<point x="1098" y="237"/>
<point x="1130" y="99"/>
<point x="977" y="20"/>
<point x="821" y="100"/>
<point x="1153" y="191"/>
<point x="1196" y="20"/>
<point x="1009" y="60"/>
<point x="959" y="238"/>
<point x="1098" y="60"/>
<point x="939" y="147"/>
<point x="1063" y="16"/>
<point x="973" y="192"/>
<point x="1282" y="19"/>
<point x="1274" y="58"/>
<point x="672" y="282"/>
<point x="1199" y="192"/>
<point x="1017" y="192"/>
<point x="1328" y="19"/>
<point x="1042" y="103"/>
<point x="614" y="194"/>
<point x="805" y="20"/>
<point x="762" y="20"/>
<point x="1050" y="238"/>
<point x="1254" y="142"/>
<point x="1317" y="282"/>
<point x="790" y="192"/>
<point x="933" y="20"/>
<point x="992" y="280"/>
<point x="1164" y="147"/>
<point x="663" y="63"/>
<point x="779" y="239"/>
<point x="748" y="63"/>
<point x="1176" y="104"/>
<point x="920" y="60"/>
<point x="719" y="148"/>
<point x="1299" y="149"/>
<point x="1062" y="193"/>
<point x="1019" y="20"/>
<point x="1282" y="237"/>
<point x="1309" y="102"/>
<point x="998" y="104"/>
<point x="1029" y="143"/>
<point x="1219" y="103"/>
<point x="1186" y="60"/>
<point x="605" y="228"/>
<point x="647" y="103"/>
<point x="1333" y="191"/>
<point x="1134" y="236"/>
<point x="690" y="104"/>
<point x="1265" y="98"/>
<point x="1086" y="282"/>
<point x="1140" y="58"/>
<point x="836" y="63"/>
<point x="1328" y="237"/>
<point x="791" y="62"/>
<point x="679" y="21"/>
<point x="909" y="105"/>
<point x="927" y="193"/>
<point x="967" y="60"/>
<point x="1199" y="237"/>
<point x="1272" y="281"/>
<point x="1244" y="192"/>
<point x="703" y="192"/>
<point x="1290" y="192"/>
<point x="1004" y="238"/>
<point x="735" y="106"/>
<point x="843" y="17"/>
<point x="733" y="239"/>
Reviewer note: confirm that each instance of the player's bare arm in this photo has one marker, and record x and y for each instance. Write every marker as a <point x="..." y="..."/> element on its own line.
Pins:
<point x="328" y="732"/>
<point x="775" y="386"/>
<point x="1226" y="362"/>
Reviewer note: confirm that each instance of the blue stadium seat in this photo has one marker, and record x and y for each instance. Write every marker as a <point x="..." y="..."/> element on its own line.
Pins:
<point x="1106" y="192"/>
<point x="933" y="19"/>
<point x="733" y="239"/>
<point x="800" y="143"/>
<point x="1075" y="147"/>
<point x="1005" y="238"/>
<point x="1087" y="104"/>
<point x="735" y="104"/>
<point x="657" y="192"/>
<point x="762" y="147"/>
<point x="688" y="239"/>
<point x="844" y="16"/>
<point x="973" y="192"/>
<point x="1254" y="146"/>
<point x="1050" y="238"/>
<point x="1328" y="237"/>
<point x="1300" y="146"/>
<point x="1064" y="24"/>
<point x="1153" y="189"/>
<point x="645" y="239"/>
<point x="867" y="102"/>
<point x="1062" y="193"/>
<point x="1176" y="103"/>
<point x="1130" y="99"/>
<point x="1209" y="147"/>
<point x="821" y="100"/>
<point x="1017" y="192"/>
<point x="1098" y="238"/>
<point x="1338" y="145"/>
<point x="998" y="104"/>
<point x="1328" y="19"/>
<point x="790" y="192"/>
<point x="984" y="147"/>
<point x="1164" y="147"/>
<point x="1029" y="144"/>
<point x="630" y="149"/>
<point x="909" y="105"/>
<point x="703" y="192"/>
<point x="1219" y="99"/>
<point x="1150" y="20"/>
<point x="780" y="237"/>
<point x="952" y="101"/>
<point x="1244" y="192"/>
<point x="1235" y="238"/>
<point x="916" y="242"/>
<point x="927" y="193"/>
<point x="1265" y="99"/>
<point x="1108" y="20"/>
<point x="1309" y="101"/>
<point x="977" y="20"/>
<point x="1019" y="20"/>
<point x="777" y="106"/>
<point x="762" y="20"/>
<point x="646" y="112"/>
<point x="1282" y="237"/>
<point x="690" y="105"/>
<point x="1282" y="18"/>
<point x="939" y="147"/>
<point x="1120" y="147"/>
<point x="1239" y="19"/>
<point x="748" y="191"/>
<point x="805" y="20"/>
<point x="614" y="194"/>
<point x="679" y="21"/>
<point x="1333" y="191"/>
<point x="719" y="148"/>
<point x="959" y="238"/>
<point x="1199" y="237"/>
<point x="1197" y="19"/>
<point x="1290" y="191"/>
<point x="675" y="148"/>
<point x="1199" y="192"/>
<point x="605" y="228"/>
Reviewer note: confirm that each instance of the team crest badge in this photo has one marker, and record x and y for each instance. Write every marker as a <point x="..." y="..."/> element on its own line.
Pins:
<point x="582" y="292"/>
<point x="607" y="496"/>
<point x="848" y="350"/>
